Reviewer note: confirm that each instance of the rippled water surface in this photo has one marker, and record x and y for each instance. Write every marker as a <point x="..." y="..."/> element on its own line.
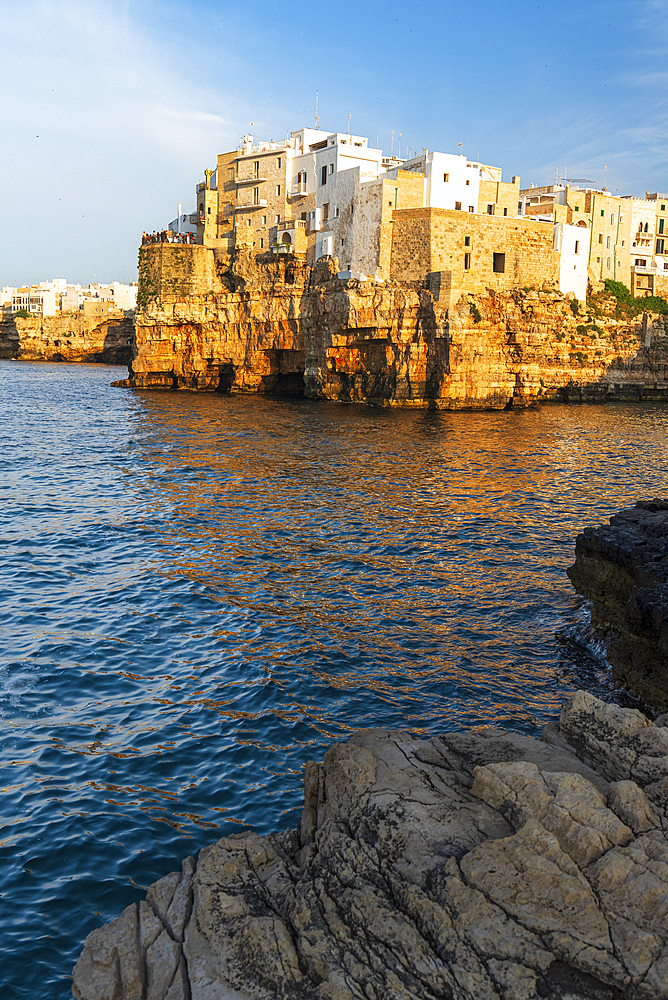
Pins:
<point x="200" y="593"/>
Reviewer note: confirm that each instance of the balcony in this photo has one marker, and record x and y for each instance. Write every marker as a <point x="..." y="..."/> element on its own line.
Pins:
<point x="250" y="180"/>
<point x="262" y="203"/>
<point x="298" y="192"/>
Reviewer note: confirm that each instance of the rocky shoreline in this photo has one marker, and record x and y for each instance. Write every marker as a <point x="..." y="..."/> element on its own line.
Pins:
<point x="471" y="866"/>
<point x="622" y="568"/>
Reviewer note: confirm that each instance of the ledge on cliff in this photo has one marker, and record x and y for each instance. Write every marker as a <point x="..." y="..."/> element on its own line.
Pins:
<point x="471" y="866"/>
<point x="622" y="568"/>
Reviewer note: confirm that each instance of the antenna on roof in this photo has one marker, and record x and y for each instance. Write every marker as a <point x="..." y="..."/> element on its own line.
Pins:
<point x="316" y="111"/>
<point x="350" y="128"/>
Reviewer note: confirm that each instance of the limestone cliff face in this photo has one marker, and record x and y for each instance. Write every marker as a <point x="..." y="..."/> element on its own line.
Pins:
<point x="276" y="325"/>
<point x="69" y="337"/>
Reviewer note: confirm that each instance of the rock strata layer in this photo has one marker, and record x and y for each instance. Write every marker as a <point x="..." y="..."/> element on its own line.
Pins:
<point x="471" y="866"/>
<point x="622" y="568"/>
<point x="276" y="325"/>
<point x="68" y="337"/>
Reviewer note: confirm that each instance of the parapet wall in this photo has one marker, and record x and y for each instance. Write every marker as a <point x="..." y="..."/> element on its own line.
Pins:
<point x="175" y="270"/>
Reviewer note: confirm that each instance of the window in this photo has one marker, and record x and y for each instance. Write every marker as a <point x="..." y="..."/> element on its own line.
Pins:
<point x="467" y="241"/>
<point x="278" y="219"/>
<point x="303" y="216"/>
<point x="467" y="261"/>
<point x="646" y="226"/>
<point x="505" y="211"/>
<point x="490" y="209"/>
<point x="248" y="222"/>
<point x="663" y="208"/>
<point x="661" y="223"/>
<point x="278" y="190"/>
<point x="577" y="208"/>
<point x="600" y="237"/>
<point x="471" y="208"/>
<point x="331" y="168"/>
<point x="446" y="178"/>
<point x="264" y="220"/>
<point x="659" y="246"/>
<point x="499" y="265"/>
<point x="607" y="243"/>
<point x="458" y="206"/>
<point x="208" y="211"/>
<point x="323" y="175"/>
<point x="256" y="196"/>
<point x="343" y="243"/>
<point x="278" y="163"/>
<point x="231" y="173"/>
<point x="612" y="219"/>
<point x="608" y="264"/>
<point x="598" y="260"/>
<point x="261" y="244"/>
<point x="622" y="242"/>
<point x="325" y="212"/>
<point x="256" y="169"/>
<point x="577" y="246"/>
<point x="467" y="183"/>
<point x="602" y="213"/>
<point x="641" y="263"/>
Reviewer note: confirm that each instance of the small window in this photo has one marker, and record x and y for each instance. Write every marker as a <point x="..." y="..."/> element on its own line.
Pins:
<point x="659" y="246"/>
<point x="600" y="237"/>
<point x="278" y="163"/>
<point x="458" y="206"/>
<point x="343" y="243"/>
<point x="446" y="178"/>
<point x="264" y="220"/>
<point x="505" y="211"/>
<point x="231" y="173"/>
<point x="608" y="265"/>
<point x="278" y="219"/>
<point x="612" y="219"/>
<point x="598" y="260"/>
<point x="248" y="222"/>
<point x="303" y="216"/>
<point x="256" y="196"/>
<point x="331" y="168"/>
<point x="490" y="209"/>
<point x="602" y="213"/>
<point x="467" y="241"/>
<point x="499" y="266"/>
<point x="256" y="168"/>
<point x="323" y="175"/>
<point x="208" y="211"/>
<point x="607" y="243"/>
<point x="278" y="190"/>
<point x="390" y="204"/>
<point x="336" y="213"/>
<point x="261" y="244"/>
<point x="467" y="183"/>
<point x="623" y="243"/>
<point x="577" y="208"/>
<point x="325" y="212"/>
<point x="471" y="208"/>
<point x="467" y="261"/>
<point x="661" y="223"/>
<point x="577" y="246"/>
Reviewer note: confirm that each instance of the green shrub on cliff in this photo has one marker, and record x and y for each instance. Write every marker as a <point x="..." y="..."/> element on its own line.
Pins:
<point x="21" y="314"/>
<point x="627" y="303"/>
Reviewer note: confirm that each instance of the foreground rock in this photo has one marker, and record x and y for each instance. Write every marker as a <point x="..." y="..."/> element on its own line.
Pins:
<point x="622" y="568"/>
<point x="480" y="866"/>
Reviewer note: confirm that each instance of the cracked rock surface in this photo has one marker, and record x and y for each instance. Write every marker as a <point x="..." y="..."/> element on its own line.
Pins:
<point x="471" y="866"/>
<point x="622" y="568"/>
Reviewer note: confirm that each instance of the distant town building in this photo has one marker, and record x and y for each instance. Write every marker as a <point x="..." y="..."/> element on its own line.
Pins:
<point x="49" y="298"/>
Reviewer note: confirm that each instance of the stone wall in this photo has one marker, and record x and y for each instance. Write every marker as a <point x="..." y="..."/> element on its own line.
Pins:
<point x="429" y="240"/>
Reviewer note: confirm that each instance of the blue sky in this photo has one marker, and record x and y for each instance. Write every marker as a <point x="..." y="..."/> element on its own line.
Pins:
<point x="111" y="111"/>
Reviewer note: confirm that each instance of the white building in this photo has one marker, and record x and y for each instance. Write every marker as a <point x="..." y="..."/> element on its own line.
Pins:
<point x="572" y="244"/>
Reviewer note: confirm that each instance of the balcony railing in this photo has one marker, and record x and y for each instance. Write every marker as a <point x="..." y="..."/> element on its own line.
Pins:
<point x="262" y="203"/>
<point x="250" y="180"/>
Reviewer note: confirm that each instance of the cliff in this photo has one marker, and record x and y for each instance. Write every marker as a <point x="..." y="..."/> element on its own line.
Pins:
<point x="213" y="322"/>
<point x="622" y="568"/>
<point x="68" y="337"/>
<point x="471" y="866"/>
